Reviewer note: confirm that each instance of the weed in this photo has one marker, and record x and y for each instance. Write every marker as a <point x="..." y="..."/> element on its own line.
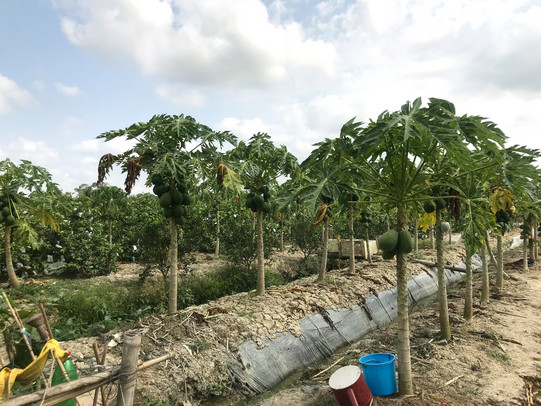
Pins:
<point x="500" y="356"/>
<point x="150" y="401"/>
<point x="200" y="345"/>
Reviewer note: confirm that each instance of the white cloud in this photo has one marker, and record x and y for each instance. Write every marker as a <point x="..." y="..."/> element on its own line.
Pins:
<point x="70" y="91"/>
<point x="231" y="43"/>
<point x="115" y="146"/>
<point x="180" y="95"/>
<point x="244" y="128"/>
<point x="38" y="152"/>
<point x="11" y="95"/>
<point x="71" y="126"/>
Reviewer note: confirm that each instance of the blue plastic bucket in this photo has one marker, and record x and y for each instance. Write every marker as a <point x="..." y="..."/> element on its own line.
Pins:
<point x="379" y="373"/>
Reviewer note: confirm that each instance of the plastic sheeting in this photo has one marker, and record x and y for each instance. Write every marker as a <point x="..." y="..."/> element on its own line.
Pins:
<point x="258" y="369"/>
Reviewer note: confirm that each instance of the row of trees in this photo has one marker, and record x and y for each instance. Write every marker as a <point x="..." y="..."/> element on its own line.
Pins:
<point x="386" y="171"/>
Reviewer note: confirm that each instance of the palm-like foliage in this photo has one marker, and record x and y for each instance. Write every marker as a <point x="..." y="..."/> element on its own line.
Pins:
<point x="174" y="147"/>
<point x="259" y="163"/>
<point x="25" y="192"/>
<point x="401" y="154"/>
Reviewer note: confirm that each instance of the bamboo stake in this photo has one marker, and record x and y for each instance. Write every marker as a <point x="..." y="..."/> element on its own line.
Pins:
<point x="58" y="361"/>
<point x="23" y="330"/>
<point x="128" y="369"/>
<point x="101" y="361"/>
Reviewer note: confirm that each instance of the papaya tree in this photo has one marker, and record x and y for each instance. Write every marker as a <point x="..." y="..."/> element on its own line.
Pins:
<point x="25" y="196"/>
<point x="169" y="149"/>
<point x="475" y="220"/>
<point x="511" y="178"/>
<point x="396" y="154"/>
<point x="259" y="164"/>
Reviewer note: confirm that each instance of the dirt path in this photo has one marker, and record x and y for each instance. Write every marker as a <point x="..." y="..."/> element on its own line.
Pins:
<point x="488" y="362"/>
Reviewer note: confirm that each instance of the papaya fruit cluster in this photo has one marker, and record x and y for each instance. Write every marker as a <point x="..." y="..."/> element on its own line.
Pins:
<point x="8" y="214"/>
<point x="259" y="200"/>
<point x="393" y="242"/>
<point x="525" y="232"/>
<point x="172" y="199"/>
<point x="439" y="203"/>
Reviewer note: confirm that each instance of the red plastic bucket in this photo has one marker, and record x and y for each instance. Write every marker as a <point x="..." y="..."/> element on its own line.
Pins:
<point x="349" y="387"/>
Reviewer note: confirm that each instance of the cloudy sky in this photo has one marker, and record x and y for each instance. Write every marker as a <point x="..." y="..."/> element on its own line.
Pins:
<point x="297" y="69"/>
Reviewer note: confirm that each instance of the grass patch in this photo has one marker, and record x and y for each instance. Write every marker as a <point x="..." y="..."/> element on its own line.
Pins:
<point x="86" y="307"/>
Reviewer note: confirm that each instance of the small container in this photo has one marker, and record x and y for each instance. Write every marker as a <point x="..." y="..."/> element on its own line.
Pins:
<point x="349" y="387"/>
<point x="58" y="378"/>
<point x="379" y="372"/>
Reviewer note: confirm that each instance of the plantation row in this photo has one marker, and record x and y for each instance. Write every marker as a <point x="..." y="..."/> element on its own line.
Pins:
<point x="415" y="167"/>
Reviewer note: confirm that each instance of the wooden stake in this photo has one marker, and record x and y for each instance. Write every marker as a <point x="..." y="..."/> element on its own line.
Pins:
<point x="128" y="369"/>
<point x="101" y="361"/>
<point x="58" y="361"/>
<point x="326" y="369"/>
<point x="25" y="338"/>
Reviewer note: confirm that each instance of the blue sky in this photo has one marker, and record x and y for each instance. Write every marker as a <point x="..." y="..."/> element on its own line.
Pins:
<point x="297" y="69"/>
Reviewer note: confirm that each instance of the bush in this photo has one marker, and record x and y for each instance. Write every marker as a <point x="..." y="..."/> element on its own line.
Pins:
<point x="228" y="280"/>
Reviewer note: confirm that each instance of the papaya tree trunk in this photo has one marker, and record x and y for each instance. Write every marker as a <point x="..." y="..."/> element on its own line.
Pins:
<point x="499" y="270"/>
<point x="281" y="233"/>
<point x="530" y="249"/>
<point x="445" y="329"/>
<point x="323" y="269"/>
<point x="260" y="286"/>
<point x="468" y="302"/>
<point x="525" y="255"/>
<point x="173" y="266"/>
<point x="416" y="238"/>
<point x="368" y="254"/>
<point x="110" y="234"/>
<point x="405" y="385"/>
<point x="485" y="285"/>
<point x="432" y="238"/>
<point x="450" y="234"/>
<point x="535" y="239"/>
<point x="217" y="247"/>
<point x="351" y="242"/>
<point x="12" y="276"/>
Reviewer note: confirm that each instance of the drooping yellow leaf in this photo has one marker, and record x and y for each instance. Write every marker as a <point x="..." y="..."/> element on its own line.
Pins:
<point x="427" y="220"/>
<point x="501" y="199"/>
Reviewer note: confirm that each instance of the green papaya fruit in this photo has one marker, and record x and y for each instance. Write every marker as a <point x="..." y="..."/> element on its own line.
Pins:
<point x="177" y="197"/>
<point x="179" y="211"/>
<point x="186" y="199"/>
<point x="166" y="200"/>
<point x="180" y="221"/>
<point x="157" y="180"/>
<point x="266" y="196"/>
<point x="168" y="212"/>
<point x="1" y="217"/>
<point x="249" y="202"/>
<point x="6" y="212"/>
<point x="181" y="186"/>
<point x="388" y="254"/>
<point x="10" y="220"/>
<point x="389" y="240"/>
<point x="258" y="200"/>
<point x="159" y="190"/>
<point x="441" y="204"/>
<point x="266" y="207"/>
<point x="429" y="207"/>
<point x="405" y="242"/>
